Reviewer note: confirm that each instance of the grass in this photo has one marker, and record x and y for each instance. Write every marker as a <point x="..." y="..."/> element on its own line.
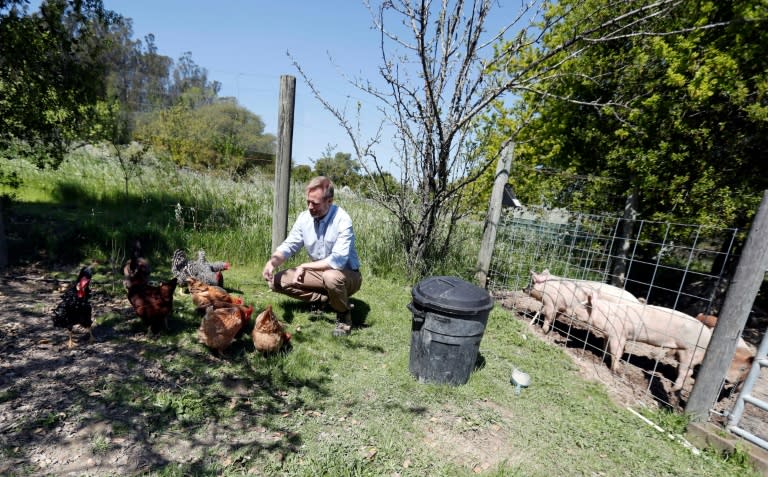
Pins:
<point x="329" y="407"/>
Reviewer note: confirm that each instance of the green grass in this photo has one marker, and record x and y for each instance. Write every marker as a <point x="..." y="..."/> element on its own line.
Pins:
<point x="329" y="407"/>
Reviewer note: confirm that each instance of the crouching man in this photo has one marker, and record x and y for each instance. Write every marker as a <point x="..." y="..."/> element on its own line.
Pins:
<point x="333" y="275"/>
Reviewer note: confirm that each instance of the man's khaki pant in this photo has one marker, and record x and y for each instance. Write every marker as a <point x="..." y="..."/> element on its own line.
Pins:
<point x="332" y="286"/>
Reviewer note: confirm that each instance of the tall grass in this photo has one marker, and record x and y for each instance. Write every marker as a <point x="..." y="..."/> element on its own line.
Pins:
<point x="170" y="208"/>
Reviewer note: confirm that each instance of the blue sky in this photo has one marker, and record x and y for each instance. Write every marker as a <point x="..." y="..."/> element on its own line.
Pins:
<point x="243" y="45"/>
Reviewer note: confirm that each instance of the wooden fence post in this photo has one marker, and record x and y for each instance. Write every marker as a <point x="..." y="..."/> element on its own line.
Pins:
<point x="283" y="159"/>
<point x="741" y="294"/>
<point x="494" y="213"/>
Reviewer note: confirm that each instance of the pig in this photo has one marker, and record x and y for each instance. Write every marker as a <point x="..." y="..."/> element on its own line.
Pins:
<point x="558" y="296"/>
<point x="665" y="328"/>
<point x="561" y="295"/>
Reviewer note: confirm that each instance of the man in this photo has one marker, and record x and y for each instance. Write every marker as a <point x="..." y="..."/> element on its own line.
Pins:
<point x="333" y="275"/>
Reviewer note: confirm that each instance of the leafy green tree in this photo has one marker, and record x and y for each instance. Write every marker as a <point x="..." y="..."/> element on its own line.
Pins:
<point x="190" y="83"/>
<point x="52" y="73"/>
<point x="302" y="173"/>
<point x="679" y="121"/>
<point x="221" y="135"/>
<point x="138" y="76"/>
<point x="339" y="167"/>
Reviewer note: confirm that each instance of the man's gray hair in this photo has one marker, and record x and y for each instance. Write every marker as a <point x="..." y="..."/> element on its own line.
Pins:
<point x="321" y="182"/>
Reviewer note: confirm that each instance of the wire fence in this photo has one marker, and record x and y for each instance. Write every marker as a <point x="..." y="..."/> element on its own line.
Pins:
<point x="682" y="267"/>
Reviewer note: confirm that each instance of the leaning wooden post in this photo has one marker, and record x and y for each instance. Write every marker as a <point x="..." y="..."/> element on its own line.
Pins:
<point x="494" y="214"/>
<point x="283" y="159"/>
<point x="738" y="303"/>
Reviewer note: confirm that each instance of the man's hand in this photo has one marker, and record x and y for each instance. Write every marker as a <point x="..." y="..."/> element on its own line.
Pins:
<point x="268" y="272"/>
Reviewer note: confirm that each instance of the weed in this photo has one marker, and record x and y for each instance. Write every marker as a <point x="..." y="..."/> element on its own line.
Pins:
<point x="99" y="444"/>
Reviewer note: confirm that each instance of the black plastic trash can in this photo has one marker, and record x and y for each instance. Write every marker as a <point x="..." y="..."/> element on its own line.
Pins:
<point x="449" y="317"/>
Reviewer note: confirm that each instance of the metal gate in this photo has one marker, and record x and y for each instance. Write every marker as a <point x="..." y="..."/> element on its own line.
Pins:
<point x="746" y="397"/>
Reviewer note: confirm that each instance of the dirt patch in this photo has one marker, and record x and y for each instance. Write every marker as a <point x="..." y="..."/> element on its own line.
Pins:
<point x="53" y="417"/>
<point x="646" y="372"/>
<point x="477" y="446"/>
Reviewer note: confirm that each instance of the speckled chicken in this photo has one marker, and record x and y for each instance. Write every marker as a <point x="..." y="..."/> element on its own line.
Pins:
<point x="204" y="295"/>
<point x="268" y="333"/>
<point x="200" y="269"/>
<point x="74" y="307"/>
<point x="220" y="326"/>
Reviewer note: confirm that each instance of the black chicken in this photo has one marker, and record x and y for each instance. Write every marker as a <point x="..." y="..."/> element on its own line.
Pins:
<point x="74" y="308"/>
<point x="200" y="269"/>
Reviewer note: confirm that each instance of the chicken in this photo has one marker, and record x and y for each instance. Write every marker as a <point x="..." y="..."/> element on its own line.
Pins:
<point x="152" y="303"/>
<point x="709" y="320"/>
<point x="268" y="334"/>
<point x="220" y="326"/>
<point x="137" y="268"/>
<point x="200" y="269"/>
<point x="74" y="307"/>
<point x="204" y="295"/>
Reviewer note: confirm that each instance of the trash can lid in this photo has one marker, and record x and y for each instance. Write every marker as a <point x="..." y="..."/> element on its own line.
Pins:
<point x="451" y="295"/>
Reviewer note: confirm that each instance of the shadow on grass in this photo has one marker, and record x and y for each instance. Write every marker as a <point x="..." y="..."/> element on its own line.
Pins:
<point x="82" y="220"/>
<point x="148" y="392"/>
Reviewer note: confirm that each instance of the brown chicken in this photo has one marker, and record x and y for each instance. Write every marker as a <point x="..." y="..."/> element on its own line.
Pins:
<point x="220" y="326"/>
<point x="136" y="269"/>
<point x="709" y="320"/>
<point x="268" y="334"/>
<point x="204" y="295"/>
<point x="152" y="303"/>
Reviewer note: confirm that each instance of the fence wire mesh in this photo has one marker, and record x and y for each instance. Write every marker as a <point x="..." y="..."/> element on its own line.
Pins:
<point x="682" y="267"/>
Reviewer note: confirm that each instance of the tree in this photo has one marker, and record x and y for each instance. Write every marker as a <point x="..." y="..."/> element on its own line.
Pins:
<point x="190" y="83"/>
<point x="339" y="167"/>
<point x="680" y="120"/>
<point x="221" y="135"/>
<point x="439" y="74"/>
<point x="52" y="73"/>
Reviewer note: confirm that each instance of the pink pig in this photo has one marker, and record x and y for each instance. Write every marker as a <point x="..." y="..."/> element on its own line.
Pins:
<point x="663" y="327"/>
<point x="566" y="296"/>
